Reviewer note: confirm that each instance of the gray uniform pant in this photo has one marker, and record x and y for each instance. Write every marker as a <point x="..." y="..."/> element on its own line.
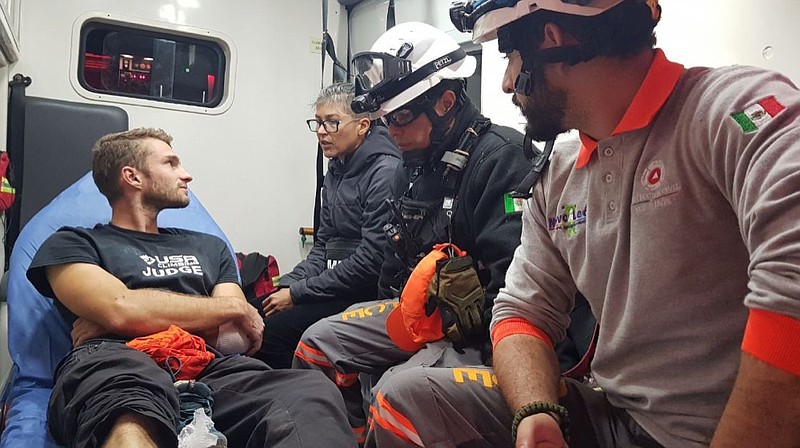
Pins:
<point x="463" y="407"/>
<point x="352" y="348"/>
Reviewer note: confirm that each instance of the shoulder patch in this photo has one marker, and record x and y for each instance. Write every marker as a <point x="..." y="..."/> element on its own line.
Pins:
<point x="758" y="114"/>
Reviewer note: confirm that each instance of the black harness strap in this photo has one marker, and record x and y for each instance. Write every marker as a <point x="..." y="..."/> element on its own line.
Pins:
<point x="456" y="160"/>
<point x="540" y="161"/>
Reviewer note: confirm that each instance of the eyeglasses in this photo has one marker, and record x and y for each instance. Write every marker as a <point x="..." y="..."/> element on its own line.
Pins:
<point x="330" y="126"/>
<point x="403" y="117"/>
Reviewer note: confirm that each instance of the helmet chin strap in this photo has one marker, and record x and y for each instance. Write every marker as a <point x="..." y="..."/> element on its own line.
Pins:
<point x="440" y="125"/>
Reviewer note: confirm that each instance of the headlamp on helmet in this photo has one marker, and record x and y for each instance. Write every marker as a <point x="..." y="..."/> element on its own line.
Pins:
<point x="380" y="77"/>
<point x="464" y="14"/>
<point x="484" y="17"/>
<point x="507" y="21"/>
<point x="405" y="62"/>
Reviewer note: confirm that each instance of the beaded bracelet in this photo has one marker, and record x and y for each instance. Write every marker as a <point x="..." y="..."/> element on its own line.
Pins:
<point x="540" y="407"/>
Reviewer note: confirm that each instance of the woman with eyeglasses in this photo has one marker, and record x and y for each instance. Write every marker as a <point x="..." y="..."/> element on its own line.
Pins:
<point x="342" y="267"/>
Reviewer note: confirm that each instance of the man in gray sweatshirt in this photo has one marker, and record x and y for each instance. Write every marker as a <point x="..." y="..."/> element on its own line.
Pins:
<point x="676" y="214"/>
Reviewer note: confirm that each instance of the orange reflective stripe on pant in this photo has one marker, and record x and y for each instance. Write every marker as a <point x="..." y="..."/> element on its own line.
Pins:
<point x="317" y="357"/>
<point x="385" y="416"/>
<point x="345" y="379"/>
<point x="311" y="355"/>
<point x="361" y="434"/>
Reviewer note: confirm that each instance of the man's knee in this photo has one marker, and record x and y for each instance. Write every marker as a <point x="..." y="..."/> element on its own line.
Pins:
<point x="313" y="387"/>
<point x="406" y="386"/>
<point x="308" y="352"/>
<point x="400" y="400"/>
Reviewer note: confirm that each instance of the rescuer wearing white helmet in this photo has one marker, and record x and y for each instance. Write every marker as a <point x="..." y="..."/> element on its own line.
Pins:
<point x="402" y="77"/>
<point x="675" y="214"/>
<point x="454" y="187"/>
<point x="384" y="73"/>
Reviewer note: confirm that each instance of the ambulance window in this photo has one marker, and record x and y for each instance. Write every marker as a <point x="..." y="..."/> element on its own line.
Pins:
<point x="152" y="65"/>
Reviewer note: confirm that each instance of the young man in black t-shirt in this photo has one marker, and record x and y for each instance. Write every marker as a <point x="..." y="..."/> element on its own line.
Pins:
<point x="130" y="278"/>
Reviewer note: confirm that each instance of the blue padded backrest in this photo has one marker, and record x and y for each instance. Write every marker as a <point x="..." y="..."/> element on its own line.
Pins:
<point x="38" y="338"/>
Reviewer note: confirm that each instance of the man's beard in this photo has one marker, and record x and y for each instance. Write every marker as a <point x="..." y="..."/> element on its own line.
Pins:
<point x="543" y="109"/>
<point x="164" y="198"/>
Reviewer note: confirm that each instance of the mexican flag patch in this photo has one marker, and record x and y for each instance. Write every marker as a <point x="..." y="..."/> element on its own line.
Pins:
<point x="512" y="205"/>
<point x="757" y="115"/>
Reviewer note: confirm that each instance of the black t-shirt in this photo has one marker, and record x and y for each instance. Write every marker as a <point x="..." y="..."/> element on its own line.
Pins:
<point x="178" y="260"/>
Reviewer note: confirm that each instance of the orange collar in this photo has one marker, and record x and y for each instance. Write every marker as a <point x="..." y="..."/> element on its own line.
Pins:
<point x="657" y="86"/>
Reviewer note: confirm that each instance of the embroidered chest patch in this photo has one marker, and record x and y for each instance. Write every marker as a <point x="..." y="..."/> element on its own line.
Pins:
<point x="569" y="220"/>
<point x="658" y="190"/>
<point x="651" y="176"/>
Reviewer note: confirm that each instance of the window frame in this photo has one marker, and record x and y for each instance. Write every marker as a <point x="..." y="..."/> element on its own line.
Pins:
<point x="218" y="42"/>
